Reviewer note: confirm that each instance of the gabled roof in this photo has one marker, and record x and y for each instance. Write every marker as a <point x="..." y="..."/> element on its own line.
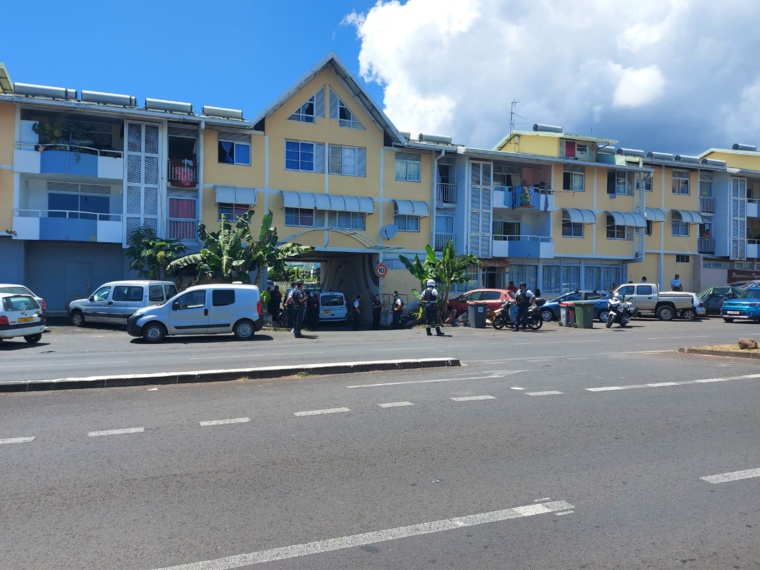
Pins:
<point x="332" y="61"/>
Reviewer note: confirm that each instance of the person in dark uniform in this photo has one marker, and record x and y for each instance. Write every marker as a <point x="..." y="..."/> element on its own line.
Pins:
<point x="377" y="310"/>
<point x="312" y="310"/>
<point x="430" y="300"/>
<point x="357" y="312"/>
<point x="289" y="304"/>
<point x="298" y="300"/>
<point x="398" y="309"/>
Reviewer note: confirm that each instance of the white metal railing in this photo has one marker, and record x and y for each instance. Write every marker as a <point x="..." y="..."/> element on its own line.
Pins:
<point x="69" y="214"/>
<point x="70" y="148"/>
<point x="524" y="237"/>
<point x="706" y="204"/>
<point x="705" y="245"/>
<point x="441" y="240"/>
<point x="182" y="228"/>
<point x="446" y="193"/>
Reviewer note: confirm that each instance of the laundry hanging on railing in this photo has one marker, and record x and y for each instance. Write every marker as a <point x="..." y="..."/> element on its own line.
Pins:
<point x="523" y="197"/>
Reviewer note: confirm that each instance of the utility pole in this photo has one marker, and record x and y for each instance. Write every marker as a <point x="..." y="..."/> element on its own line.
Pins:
<point x="512" y="115"/>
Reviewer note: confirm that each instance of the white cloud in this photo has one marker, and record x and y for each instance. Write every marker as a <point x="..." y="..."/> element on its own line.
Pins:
<point x="651" y="74"/>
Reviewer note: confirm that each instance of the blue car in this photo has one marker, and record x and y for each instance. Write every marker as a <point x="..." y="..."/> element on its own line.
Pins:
<point x="746" y="307"/>
<point x="550" y="310"/>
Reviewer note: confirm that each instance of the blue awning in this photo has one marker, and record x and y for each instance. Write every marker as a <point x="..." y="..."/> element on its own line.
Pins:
<point x="628" y="219"/>
<point x="412" y="208"/>
<point x="688" y="216"/>
<point x="654" y="215"/>
<point x="578" y="216"/>
<point x="331" y="202"/>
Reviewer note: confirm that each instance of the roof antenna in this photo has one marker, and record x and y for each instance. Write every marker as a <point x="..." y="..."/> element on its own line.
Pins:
<point x="512" y="116"/>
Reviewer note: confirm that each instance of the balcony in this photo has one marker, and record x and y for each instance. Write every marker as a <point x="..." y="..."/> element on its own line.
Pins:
<point x="67" y="225"/>
<point x="524" y="198"/>
<point x="753" y="208"/>
<point x="523" y="246"/>
<point x="445" y="194"/>
<point x="182" y="173"/>
<point x="707" y="204"/>
<point x="182" y="229"/>
<point x="442" y="239"/>
<point x="68" y="159"/>
<point x="705" y="245"/>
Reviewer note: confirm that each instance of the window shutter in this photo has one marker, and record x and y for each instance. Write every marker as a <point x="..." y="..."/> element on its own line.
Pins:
<point x="319" y="157"/>
<point x="335" y="159"/>
<point x="611" y="177"/>
<point x="319" y="103"/>
<point x="333" y="104"/>
<point x="567" y="180"/>
<point x="361" y="162"/>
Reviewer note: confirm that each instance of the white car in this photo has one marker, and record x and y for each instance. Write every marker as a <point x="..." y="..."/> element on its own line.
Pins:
<point x="21" y="290"/>
<point x="699" y="309"/>
<point x="21" y="315"/>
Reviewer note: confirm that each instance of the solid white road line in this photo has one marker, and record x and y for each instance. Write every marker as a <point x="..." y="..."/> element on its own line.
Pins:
<point x="320" y="412"/>
<point x="735" y="476"/>
<point x="395" y="404"/>
<point x="516" y="388"/>
<point x="488" y="376"/>
<point x="471" y="398"/>
<point x="249" y="356"/>
<point x="665" y="384"/>
<point x="16" y="440"/>
<point x="59" y="364"/>
<point x="547" y="393"/>
<point x="560" y="357"/>
<point x="375" y="537"/>
<point x="225" y="422"/>
<point x="116" y="431"/>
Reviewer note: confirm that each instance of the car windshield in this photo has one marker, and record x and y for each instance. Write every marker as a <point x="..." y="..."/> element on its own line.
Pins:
<point x="15" y="289"/>
<point x="327" y="300"/>
<point x="20" y="303"/>
<point x="750" y="294"/>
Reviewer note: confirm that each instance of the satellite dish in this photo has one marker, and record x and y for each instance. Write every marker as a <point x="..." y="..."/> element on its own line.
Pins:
<point x="389" y="231"/>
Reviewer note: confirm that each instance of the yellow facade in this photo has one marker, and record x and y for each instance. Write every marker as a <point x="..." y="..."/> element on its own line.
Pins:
<point x="7" y="145"/>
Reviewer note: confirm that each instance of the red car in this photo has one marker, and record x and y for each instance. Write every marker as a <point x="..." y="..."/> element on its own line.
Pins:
<point x="494" y="299"/>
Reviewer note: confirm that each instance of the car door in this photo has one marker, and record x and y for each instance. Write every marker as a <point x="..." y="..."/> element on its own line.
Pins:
<point x="96" y="307"/>
<point x="125" y="300"/>
<point x="460" y="303"/>
<point x="221" y="310"/>
<point x="492" y="298"/>
<point x="645" y="297"/>
<point x="189" y="313"/>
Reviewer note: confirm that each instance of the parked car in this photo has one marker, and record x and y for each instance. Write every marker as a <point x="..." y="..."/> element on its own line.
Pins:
<point x="550" y="310"/>
<point x="202" y="309"/>
<point x="698" y="311"/>
<point x="116" y="301"/>
<point x="494" y="299"/>
<point x="332" y="306"/>
<point x="649" y="300"/>
<point x="21" y="315"/>
<point x="21" y="290"/>
<point x="714" y="297"/>
<point x="746" y="307"/>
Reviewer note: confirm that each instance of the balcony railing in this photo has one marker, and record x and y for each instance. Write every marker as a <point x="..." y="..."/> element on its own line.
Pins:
<point x="441" y="240"/>
<point x="70" y="148"/>
<point x="706" y="204"/>
<point x="182" y="229"/>
<point x="182" y="173"/>
<point x="69" y="214"/>
<point x="705" y="245"/>
<point x="505" y="237"/>
<point x="446" y="194"/>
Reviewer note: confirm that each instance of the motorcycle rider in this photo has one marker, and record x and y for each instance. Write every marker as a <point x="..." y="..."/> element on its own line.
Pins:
<point x="430" y="301"/>
<point x="523" y="300"/>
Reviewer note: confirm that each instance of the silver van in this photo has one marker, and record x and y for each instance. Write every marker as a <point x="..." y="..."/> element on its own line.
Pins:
<point x="115" y="302"/>
<point x="332" y="306"/>
<point x="202" y="309"/>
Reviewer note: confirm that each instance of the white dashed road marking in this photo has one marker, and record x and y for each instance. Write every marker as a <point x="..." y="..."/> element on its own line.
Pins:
<point x="375" y="537"/>
<point x="488" y="376"/>
<point x="225" y="422"/>
<point x="547" y="393"/>
<point x="115" y="431"/>
<point x="664" y="384"/>
<point x="320" y="412"/>
<point x="395" y="404"/>
<point x="471" y="398"/>
<point x="16" y="440"/>
<point x="735" y="476"/>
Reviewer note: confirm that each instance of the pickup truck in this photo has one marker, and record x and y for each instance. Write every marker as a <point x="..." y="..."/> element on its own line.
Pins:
<point x="649" y="300"/>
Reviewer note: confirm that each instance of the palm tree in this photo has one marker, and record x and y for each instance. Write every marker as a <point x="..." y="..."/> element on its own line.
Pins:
<point x="151" y="255"/>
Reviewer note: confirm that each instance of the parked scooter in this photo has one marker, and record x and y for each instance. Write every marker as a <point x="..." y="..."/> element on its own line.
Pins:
<point x="620" y="311"/>
<point x="503" y="317"/>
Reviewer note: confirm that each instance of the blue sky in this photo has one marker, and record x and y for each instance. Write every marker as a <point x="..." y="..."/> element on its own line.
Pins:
<point x="237" y="54"/>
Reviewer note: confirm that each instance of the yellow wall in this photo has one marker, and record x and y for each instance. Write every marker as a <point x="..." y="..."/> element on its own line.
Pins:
<point x="7" y="132"/>
<point x="215" y="172"/>
<point x="533" y="144"/>
<point x="6" y="199"/>
<point x="738" y="159"/>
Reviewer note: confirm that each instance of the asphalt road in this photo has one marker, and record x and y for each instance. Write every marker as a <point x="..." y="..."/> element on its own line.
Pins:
<point x="611" y="451"/>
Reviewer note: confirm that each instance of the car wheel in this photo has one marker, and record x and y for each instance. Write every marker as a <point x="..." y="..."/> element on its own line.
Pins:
<point x="32" y="338"/>
<point x="689" y="314"/>
<point x="602" y="316"/>
<point x="154" y="333"/>
<point x="547" y="315"/>
<point x="665" y="313"/>
<point x="77" y="318"/>
<point x="728" y="320"/>
<point x="244" y="330"/>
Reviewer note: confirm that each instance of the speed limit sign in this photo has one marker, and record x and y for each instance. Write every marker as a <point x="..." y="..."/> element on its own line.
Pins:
<point x="381" y="270"/>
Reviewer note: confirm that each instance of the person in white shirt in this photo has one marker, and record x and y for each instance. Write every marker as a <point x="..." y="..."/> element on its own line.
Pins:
<point x="430" y="302"/>
<point x="675" y="283"/>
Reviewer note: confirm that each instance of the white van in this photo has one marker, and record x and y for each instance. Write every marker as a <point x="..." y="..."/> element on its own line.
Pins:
<point x="332" y="306"/>
<point x="116" y="301"/>
<point x="203" y="309"/>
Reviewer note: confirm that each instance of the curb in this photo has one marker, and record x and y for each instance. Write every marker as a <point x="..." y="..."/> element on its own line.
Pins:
<point x="725" y="353"/>
<point x="222" y="375"/>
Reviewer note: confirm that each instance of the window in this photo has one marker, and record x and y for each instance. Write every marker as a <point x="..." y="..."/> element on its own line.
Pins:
<point x="679" y="228"/>
<point x="524" y="273"/>
<point x="647" y="182"/>
<point x="80" y="206"/>
<point x="193" y="300"/>
<point x="503" y="230"/>
<point x="127" y="293"/>
<point x="170" y="291"/>
<point x="571" y="277"/>
<point x="618" y="232"/>
<point x="705" y="184"/>
<point x="592" y="279"/>
<point x="573" y="178"/>
<point x="406" y="223"/>
<point x="444" y="224"/>
<point x="680" y="182"/>
<point x="304" y="156"/>
<point x="182" y="218"/>
<point x="407" y="167"/>
<point x="325" y="219"/>
<point x="222" y="297"/>
<point x="232" y="211"/>
<point x="299" y="217"/>
<point x="620" y="182"/>
<point x="571" y="229"/>
<point x="650" y="227"/>
<point x="101" y="294"/>
<point x="682" y="259"/>
<point x="644" y="290"/>
<point x="314" y="107"/>
<point x="340" y="112"/>
<point x="348" y="160"/>
<point x="610" y="275"/>
<point x="551" y="279"/>
<point x="155" y="293"/>
<point x="236" y="149"/>
<point x="573" y="149"/>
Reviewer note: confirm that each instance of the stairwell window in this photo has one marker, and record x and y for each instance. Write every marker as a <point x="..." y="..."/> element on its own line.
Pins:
<point x="573" y="178"/>
<point x="408" y="167"/>
<point x="348" y="160"/>
<point x="680" y="182"/>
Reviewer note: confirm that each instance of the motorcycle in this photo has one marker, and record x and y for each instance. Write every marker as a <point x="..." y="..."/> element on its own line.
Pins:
<point x="502" y="317"/>
<point x="620" y="311"/>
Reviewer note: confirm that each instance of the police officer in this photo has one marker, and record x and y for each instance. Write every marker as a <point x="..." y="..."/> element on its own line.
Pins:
<point x="430" y="301"/>
<point x="298" y="300"/>
<point x="523" y="300"/>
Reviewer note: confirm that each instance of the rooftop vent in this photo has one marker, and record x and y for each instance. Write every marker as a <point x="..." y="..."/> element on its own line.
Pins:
<point x="171" y="106"/>
<point x="539" y="128"/>
<point x="737" y="146"/>
<point x="435" y="139"/>
<point x="606" y="149"/>
<point x="686" y="158"/>
<point x="222" y="113"/>
<point x="630" y="152"/>
<point x="108" y="98"/>
<point x="44" y="91"/>
<point x="713" y="162"/>
<point x="661" y="155"/>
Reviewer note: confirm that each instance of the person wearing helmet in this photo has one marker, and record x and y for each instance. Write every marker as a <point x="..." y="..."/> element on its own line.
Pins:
<point x="430" y="302"/>
<point x="523" y="300"/>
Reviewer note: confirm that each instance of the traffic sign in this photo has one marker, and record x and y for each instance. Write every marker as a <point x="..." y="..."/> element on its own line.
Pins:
<point x="381" y="270"/>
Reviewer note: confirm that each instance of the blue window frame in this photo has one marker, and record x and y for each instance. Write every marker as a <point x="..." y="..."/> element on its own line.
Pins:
<point x="299" y="156"/>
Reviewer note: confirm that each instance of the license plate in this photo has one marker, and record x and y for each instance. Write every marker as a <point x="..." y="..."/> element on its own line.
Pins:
<point x="25" y="319"/>
<point x="733" y="312"/>
<point x="327" y="312"/>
